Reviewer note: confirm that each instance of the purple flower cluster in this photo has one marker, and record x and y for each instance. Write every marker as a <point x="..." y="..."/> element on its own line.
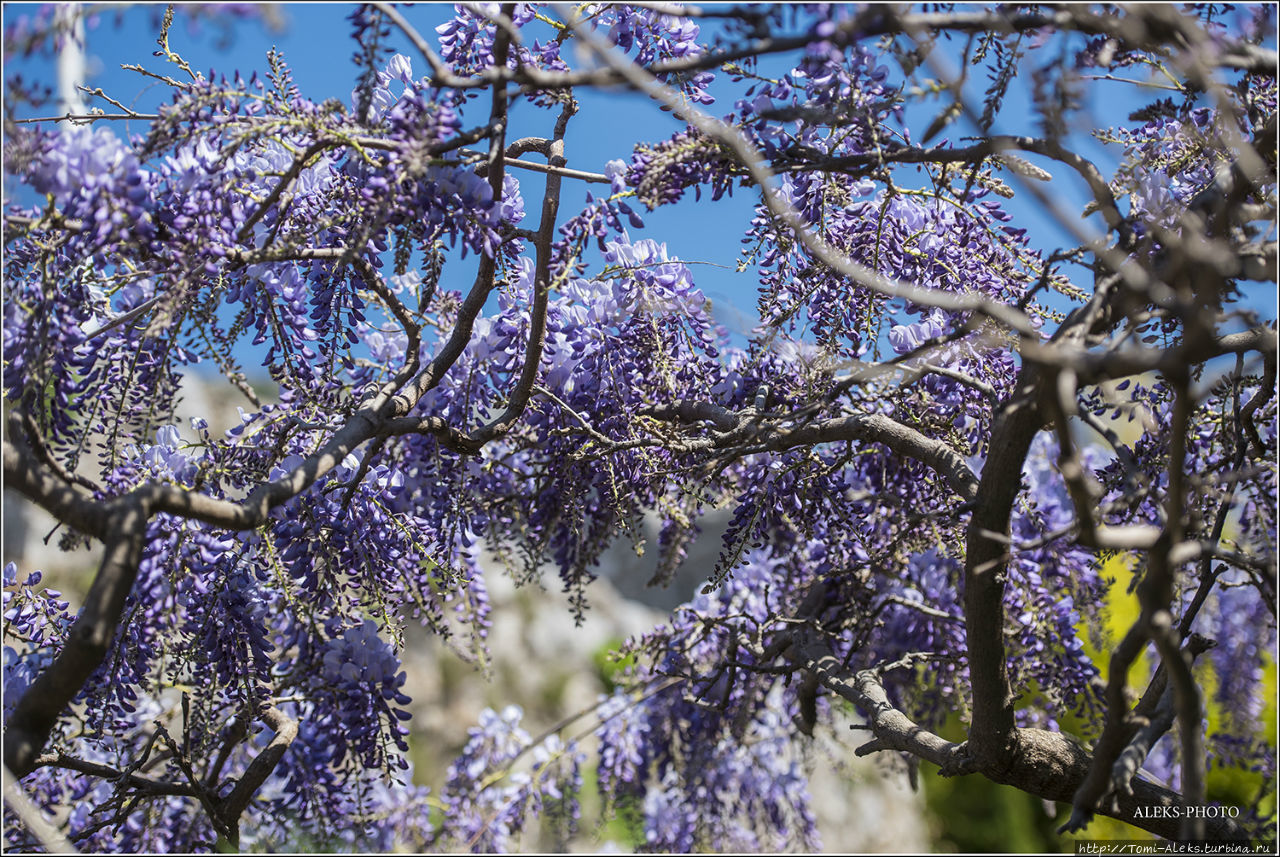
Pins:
<point x="662" y="172"/>
<point x="1052" y="590"/>
<point x="653" y="37"/>
<point x="713" y="760"/>
<point x="37" y="624"/>
<point x="96" y="178"/>
<point x="487" y="800"/>
<point x="1170" y="162"/>
<point x="364" y="675"/>
<point x="320" y="238"/>
<point x="834" y="102"/>
<point x="467" y="42"/>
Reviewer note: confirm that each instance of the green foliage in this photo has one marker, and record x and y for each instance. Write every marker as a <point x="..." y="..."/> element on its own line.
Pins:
<point x="974" y="814"/>
<point x="1228" y="785"/>
<point x="620" y="817"/>
<point x="611" y="663"/>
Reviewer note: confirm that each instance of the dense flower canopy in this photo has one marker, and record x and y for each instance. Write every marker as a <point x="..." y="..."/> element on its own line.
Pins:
<point x="930" y="442"/>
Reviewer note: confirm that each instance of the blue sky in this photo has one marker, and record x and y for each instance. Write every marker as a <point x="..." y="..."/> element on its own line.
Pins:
<point x="315" y="41"/>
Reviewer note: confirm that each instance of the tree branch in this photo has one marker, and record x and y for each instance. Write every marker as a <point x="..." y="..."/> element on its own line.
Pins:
<point x="59" y="497"/>
<point x="734" y="427"/>
<point x="779" y="208"/>
<point x="892" y="729"/>
<point x="230" y="808"/>
<point x="1049" y="765"/>
<point x="519" y="399"/>
<point x="146" y="785"/>
<point x="89" y="639"/>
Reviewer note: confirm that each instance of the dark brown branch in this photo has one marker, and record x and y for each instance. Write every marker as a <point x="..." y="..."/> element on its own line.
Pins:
<point x="498" y="110"/>
<point x="524" y="145"/>
<point x="20" y="419"/>
<point x="1265" y="391"/>
<point x="892" y="729"/>
<point x="449" y="436"/>
<point x="231" y="737"/>
<point x="519" y="399"/>
<point x="991" y="734"/>
<point x="1094" y="367"/>
<point x="878" y="428"/>
<point x="146" y="785"/>
<point x="35" y="714"/>
<point x="59" y="497"/>
<point x="207" y="798"/>
<point x="722" y="418"/>
<point x="233" y="805"/>
<point x="736" y="427"/>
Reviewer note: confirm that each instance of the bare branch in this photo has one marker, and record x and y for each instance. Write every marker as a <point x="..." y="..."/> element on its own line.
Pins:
<point x="233" y="805"/>
<point x="35" y="714"/>
<point x="777" y="436"/>
<point x="892" y="728"/>
<point x="549" y="169"/>
<point x="86" y="117"/>
<point x="146" y="785"/>
<point x="541" y="289"/>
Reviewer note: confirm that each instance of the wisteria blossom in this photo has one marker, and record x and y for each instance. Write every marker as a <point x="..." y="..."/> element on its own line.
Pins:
<point x="1001" y="494"/>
